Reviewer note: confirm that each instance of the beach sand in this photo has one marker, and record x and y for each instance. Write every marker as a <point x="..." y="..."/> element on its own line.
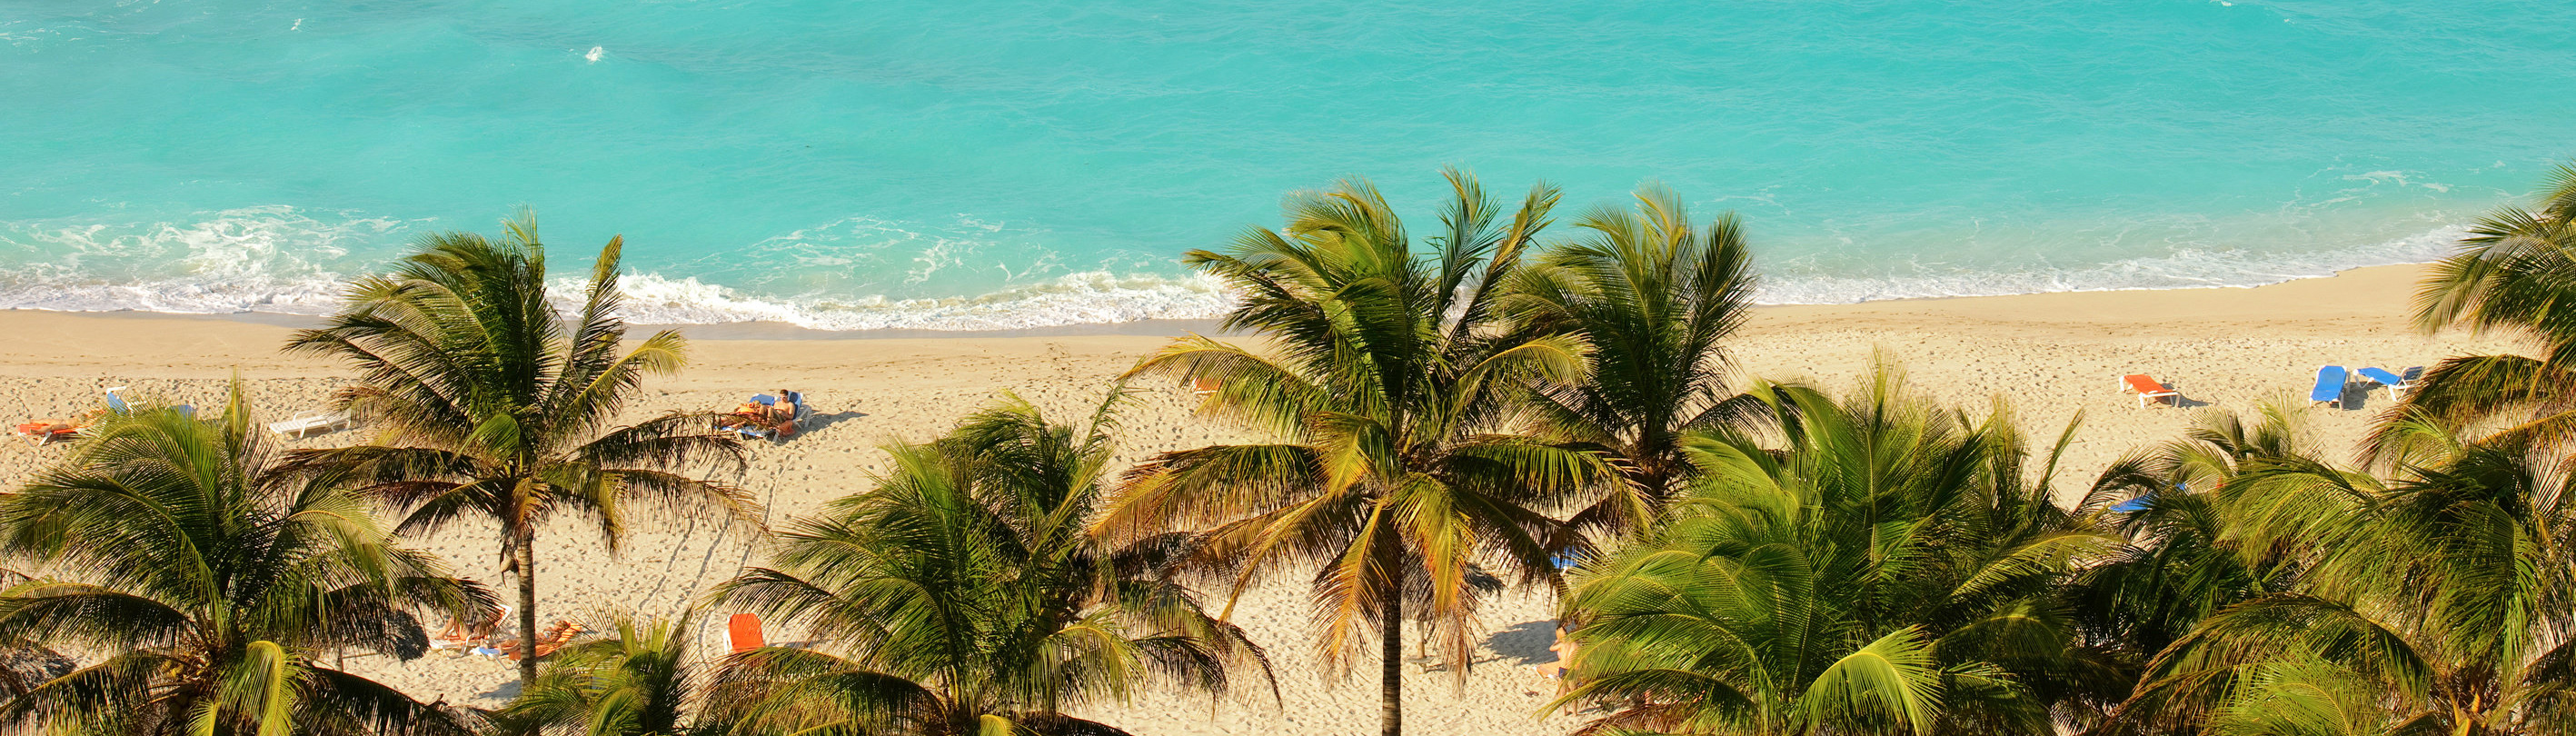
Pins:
<point x="2050" y="356"/>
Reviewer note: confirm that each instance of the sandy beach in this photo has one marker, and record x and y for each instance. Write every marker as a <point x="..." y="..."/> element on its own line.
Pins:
<point x="2050" y="356"/>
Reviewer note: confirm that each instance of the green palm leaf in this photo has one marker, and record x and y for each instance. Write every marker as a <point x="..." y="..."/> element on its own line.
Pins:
<point x="965" y="593"/>
<point x="1389" y="372"/>
<point x="215" y="583"/>
<point x="496" y="402"/>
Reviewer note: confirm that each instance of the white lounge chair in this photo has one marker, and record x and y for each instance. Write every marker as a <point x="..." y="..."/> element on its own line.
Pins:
<point x="312" y="423"/>
<point x="2397" y="384"/>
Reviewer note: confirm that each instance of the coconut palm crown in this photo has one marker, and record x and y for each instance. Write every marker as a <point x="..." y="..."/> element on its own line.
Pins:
<point x="212" y="590"/>
<point x="2515" y="273"/>
<point x="1389" y="371"/>
<point x="494" y="404"/>
<point x="1654" y="297"/>
<point x="641" y="680"/>
<point x="2438" y="600"/>
<point x="1874" y="565"/>
<point x="964" y="595"/>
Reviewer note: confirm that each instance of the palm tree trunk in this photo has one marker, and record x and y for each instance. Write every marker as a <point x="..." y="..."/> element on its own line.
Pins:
<point x="525" y="558"/>
<point x="1391" y="655"/>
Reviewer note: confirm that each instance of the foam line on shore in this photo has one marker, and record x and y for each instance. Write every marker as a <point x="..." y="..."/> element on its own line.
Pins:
<point x="237" y="267"/>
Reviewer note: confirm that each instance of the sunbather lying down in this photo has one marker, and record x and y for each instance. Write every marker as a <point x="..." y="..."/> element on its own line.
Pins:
<point x="50" y="429"/>
<point x="755" y="414"/>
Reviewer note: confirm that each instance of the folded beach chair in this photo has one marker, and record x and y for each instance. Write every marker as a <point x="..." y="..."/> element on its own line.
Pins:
<point x="2148" y="389"/>
<point x="312" y="422"/>
<point x="2396" y="384"/>
<point x="2329" y="388"/>
<point x="743" y="631"/>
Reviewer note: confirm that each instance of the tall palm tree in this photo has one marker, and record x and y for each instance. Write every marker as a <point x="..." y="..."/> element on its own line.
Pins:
<point x="494" y="404"/>
<point x="963" y="595"/>
<point x="641" y="681"/>
<point x="2515" y="273"/>
<point x="1655" y="298"/>
<point x="1389" y="370"/>
<point x="2441" y="599"/>
<point x="212" y="589"/>
<point x="1872" y="565"/>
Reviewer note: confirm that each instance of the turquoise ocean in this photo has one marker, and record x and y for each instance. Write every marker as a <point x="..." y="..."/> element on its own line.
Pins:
<point x="957" y="164"/>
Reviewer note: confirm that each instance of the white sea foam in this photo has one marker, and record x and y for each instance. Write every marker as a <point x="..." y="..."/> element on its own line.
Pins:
<point x="1084" y="298"/>
<point x="280" y="260"/>
<point x="268" y="259"/>
<point x="2183" y="269"/>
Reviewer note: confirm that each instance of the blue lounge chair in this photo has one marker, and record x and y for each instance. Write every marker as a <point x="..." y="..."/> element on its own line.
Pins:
<point x="2396" y="384"/>
<point x="2329" y="389"/>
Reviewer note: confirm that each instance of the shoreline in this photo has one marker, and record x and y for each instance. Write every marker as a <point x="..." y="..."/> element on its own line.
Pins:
<point x="2085" y="301"/>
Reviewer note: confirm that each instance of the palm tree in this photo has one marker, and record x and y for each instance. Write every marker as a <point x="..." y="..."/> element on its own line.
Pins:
<point x="640" y="682"/>
<point x="212" y="588"/>
<point x="2514" y="272"/>
<point x="1655" y="298"/>
<point x="495" y="405"/>
<point x="1389" y="370"/>
<point x="963" y="595"/>
<point x="1872" y="565"/>
<point x="2184" y="560"/>
<point x="2439" y="600"/>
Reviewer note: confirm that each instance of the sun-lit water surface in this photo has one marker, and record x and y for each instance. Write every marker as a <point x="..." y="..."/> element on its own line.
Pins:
<point x="950" y="164"/>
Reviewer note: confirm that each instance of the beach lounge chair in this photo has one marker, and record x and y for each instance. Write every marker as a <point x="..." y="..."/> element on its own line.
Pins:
<point x="2329" y="388"/>
<point x="46" y="432"/>
<point x="312" y="423"/>
<point x="1203" y="386"/>
<point x="117" y="404"/>
<point x="743" y="632"/>
<point x="2148" y="389"/>
<point x="2396" y="384"/>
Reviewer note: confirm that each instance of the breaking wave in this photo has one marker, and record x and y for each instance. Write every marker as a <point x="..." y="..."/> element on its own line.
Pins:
<point x="281" y="260"/>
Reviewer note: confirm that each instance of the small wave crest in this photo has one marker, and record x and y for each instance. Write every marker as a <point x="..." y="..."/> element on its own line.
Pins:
<point x="2181" y="269"/>
<point x="267" y="259"/>
<point x="1096" y="297"/>
<point x="281" y="260"/>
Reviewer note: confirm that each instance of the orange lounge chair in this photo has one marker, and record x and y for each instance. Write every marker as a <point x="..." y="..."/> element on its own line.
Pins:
<point x="1203" y="386"/>
<point x="2148" y="389"/>
<point x="46" y="432"/>
<point x="744" y="631"/>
